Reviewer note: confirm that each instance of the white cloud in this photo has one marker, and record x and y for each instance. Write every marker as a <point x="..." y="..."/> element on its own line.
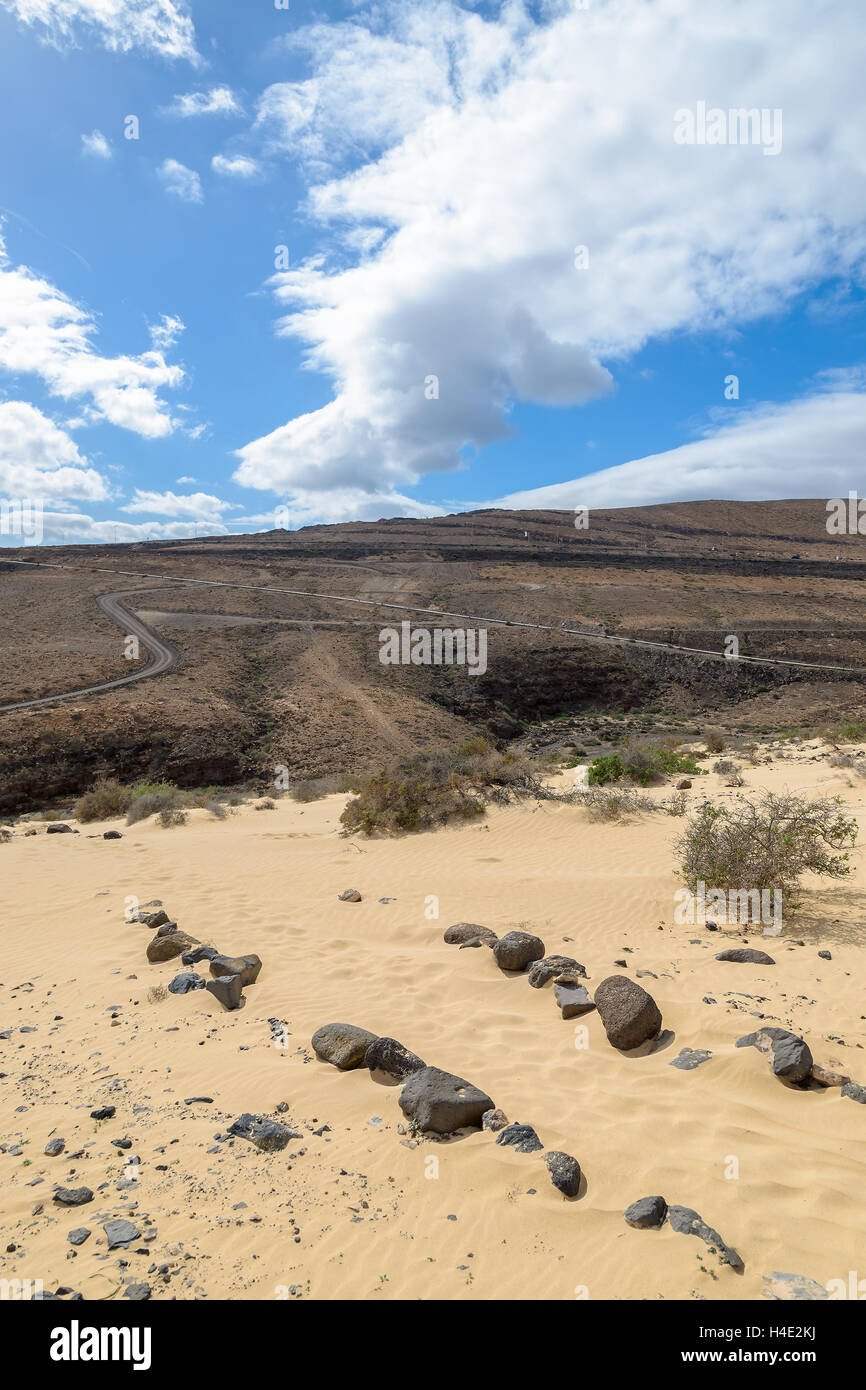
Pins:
<point x="201" y="506"/>
<point x="236" y="166"/>
<point x="184" y="480"/>
<point x="165" y="333"/>
<point x="39" y="460"/>
<point x="803" y="448"/>
<point x="61" y="528"/>
<point x="487" y="150"/>
<point x="96" y="145"/>
<point x="44" y="333"/>
<point x="216" y="101"/>
<point x="182" y="182"/>
<point x="156" y="26"/>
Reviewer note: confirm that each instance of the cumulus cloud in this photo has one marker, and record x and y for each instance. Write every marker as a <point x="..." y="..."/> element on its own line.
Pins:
<point x="39" y="460"/>
<point x="469" y="156"/>
<point x="96" y="145"/>
<point x="796" y="449"/>
<point x="236" y="166"/>
<point x="200" y="506"/>
<point x="180" y="181"/>
<point x="216" y="101"/>
<point x="62" y="527"/>
<point x="166" y="331"/>
<point x="44" y="333"/>
<point x="155" y="26"/>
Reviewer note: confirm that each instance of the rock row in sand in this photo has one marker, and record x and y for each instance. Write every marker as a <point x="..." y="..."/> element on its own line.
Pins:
<point x="166" y="946"/>
<point x="438" y="1101"/>
<point x="467" y="934"/>
<point x="264" y="1133"/>
<point x="391" y="1057"/>
<point x="540" y="971"/>
<point x="342" y="1044"/>
<point x="651" y="1213"/>
<point x="517" y="949"/>
<point x="247" y="967"/>
<point x="630" y="1015"/>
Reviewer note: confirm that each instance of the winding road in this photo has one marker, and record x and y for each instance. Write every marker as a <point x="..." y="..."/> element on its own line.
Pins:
<point x="163" y="656"/>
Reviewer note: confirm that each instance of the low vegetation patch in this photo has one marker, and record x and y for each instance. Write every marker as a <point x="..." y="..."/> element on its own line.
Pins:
<point x="106" y="801"/>
<point x="422" y="790"/>
<point x="766" y="843"/>
<point x="645" y="766"/>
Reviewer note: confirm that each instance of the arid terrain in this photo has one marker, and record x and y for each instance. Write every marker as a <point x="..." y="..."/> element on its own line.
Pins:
<point x="358" y="1205"/>
<point x="279" y="679"/>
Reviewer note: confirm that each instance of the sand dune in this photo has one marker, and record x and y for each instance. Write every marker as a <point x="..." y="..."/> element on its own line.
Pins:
<point x="360" y="1210"/>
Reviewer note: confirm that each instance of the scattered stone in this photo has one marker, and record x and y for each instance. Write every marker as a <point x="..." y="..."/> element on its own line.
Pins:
<point x="60" y="829"/>
<point x="265" y="1134"/>
<point x="630" y="1015"/>
<point x="199" y="1100"/>
<point x="792" y="1059"/>
<point x="73" y="1196"/>
<point x="122" y="1143"/>
<point x="149" y="918"/>
<point x="517" y="949"/>
<point x="438" y="1101"/>
<point x="112" y="835"/>
<point x="690" y="1057"/>
<point x="854" y="1092"/>
<point x="647" y="1213"/>
<point x="137" y="1293"/>
<point x="520" y="1137"/>
<point x="184" y="982"/>
<point x="105" y="1112"/>
<point x="247" y="967"/>
<point x="786" y="1288"/>
<point x="166" y="947"/>
<point x="227" y="989"/>
<point x="564" y="1172"/>
<point x="540" y="971"/>
<point x="689" y="1223"/>
<point x="764" y="1038"/>
<point x="351" y="895"/>
<point x="683" y="785"/>
<point x="825" y="955"/>
<point x="78" y="1236"/>
<point x="494" y="1120"/>
<point x="746" y="955"/>
<point x="120" y="1233"/>
<point x="391" y="1057"/>
<point x="54" y="1147"/>
<point x="573" y="1000"/>
<point x="199" y="953"/>
<point x="342" y="1044"/>
<point x="467" y="934"/>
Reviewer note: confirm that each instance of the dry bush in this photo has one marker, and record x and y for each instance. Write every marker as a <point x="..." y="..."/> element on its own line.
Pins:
<point x="423" y="790"/>
<point x="170" y="816"/>
<point x="766" y="843"/>
<point x="149" y="798"/>
<point x="106" y="801"/>
<point x="615" y="803"/>
<point x="314" y="788"/>
<point x="156" y="994"/>
<point x="676" y="804"/>
<point x="217" y="810"/>
<point x="266" y="805"/>
<point x="715" y="740"/>
<point x="5" y="835"/>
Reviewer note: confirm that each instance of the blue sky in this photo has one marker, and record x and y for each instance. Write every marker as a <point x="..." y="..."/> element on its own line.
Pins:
<point x="431" y="170"/>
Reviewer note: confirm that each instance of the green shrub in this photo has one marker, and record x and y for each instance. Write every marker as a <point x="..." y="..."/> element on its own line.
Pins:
<point x="605" y="769"/>
<point x="105" y="801"/>
<point x="645" y="766"/>
<point x="151" y="804"/>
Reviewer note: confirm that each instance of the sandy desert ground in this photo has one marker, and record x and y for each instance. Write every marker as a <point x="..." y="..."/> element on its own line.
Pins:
<point x="354" y="1208"/>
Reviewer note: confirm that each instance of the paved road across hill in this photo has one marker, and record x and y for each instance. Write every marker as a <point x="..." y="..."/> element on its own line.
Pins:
<point x="164" y="656"/>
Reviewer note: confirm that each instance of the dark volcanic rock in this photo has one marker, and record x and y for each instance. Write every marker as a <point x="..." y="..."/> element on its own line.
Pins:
<point x="764" y="1038"/>
<point x="825" y="955"/>
<point x="392" y="1058"/>
<point x="60" y="829"/>
<point x="689" y="1223"/>
<point x="520" y="1137"/>
<point x="564" y="1172"/>
<point x="440" y="1102"/>
<point x="199" y="953"/>
<point x="350" y="895"/>
<point x="647" y="1213"/>
<point x="154" y="920"/>
<point x="137" y="1293"/>
<point x="166" y="947"/>
<point x="105" y="1112"/>
<point x="342" y="1044"/>
<point x="494" y="1120"/>
<point x="120" y="1233"/>
<point x="112" y="835"/>
<point x="73" y="1196"/>
<point x="517" y="949"/>
<point x="792" y="1059"/>
<point x="746" y="955"/>
<point x="265" y="1134"/>
<point x="630" y="1015"/>
<point x="573" y="1000"/>
<point x="228" y="989"/>
<point x="247" y="967"/>
<point x="463" y="933"/>
<point x="186" y="981"/>
<point x="540" y="971"/>
<point x="78" y="1236"/>
<point x="854" y="1092"/>
<point x="690" y="1057"/>
<point x="54" y="1147"/>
